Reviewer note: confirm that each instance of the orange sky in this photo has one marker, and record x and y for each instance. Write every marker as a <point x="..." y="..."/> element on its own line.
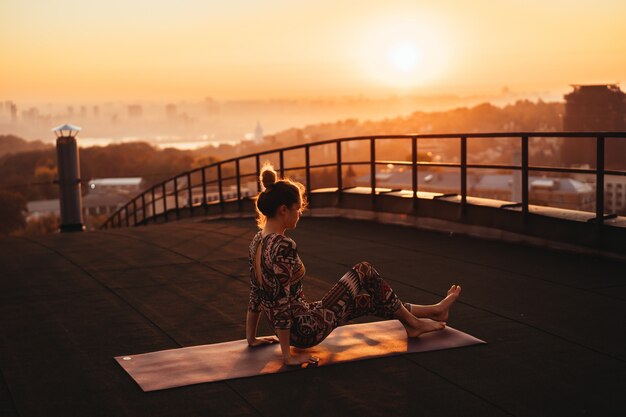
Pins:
<point x="189" y="49"/>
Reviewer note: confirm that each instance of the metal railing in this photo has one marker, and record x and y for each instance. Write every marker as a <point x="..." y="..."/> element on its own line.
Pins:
<point x="171" y="197"/>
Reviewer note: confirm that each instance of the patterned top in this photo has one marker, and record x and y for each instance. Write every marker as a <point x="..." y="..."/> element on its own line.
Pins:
<point x="282" y="272"/>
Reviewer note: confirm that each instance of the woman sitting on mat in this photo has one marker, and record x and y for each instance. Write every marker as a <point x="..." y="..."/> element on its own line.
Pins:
<point x="276" y="283"/>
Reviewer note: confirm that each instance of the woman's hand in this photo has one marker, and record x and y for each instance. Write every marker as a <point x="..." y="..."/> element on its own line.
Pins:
<point x="258" y="341"/>
<point x="297" y="360"/>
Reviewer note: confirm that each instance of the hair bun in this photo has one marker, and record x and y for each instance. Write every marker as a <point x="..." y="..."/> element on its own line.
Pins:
<point x="268" y="178"/>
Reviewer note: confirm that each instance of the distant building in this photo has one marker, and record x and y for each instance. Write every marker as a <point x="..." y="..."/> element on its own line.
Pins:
<point x="211" y="106"/>
<point x="258" y="134"/>
<point x="594" y="108"/>
<point x="30" y="115"/>
<point x="95" y="204"/>
<point x="135" y="111"/>
<point x="564" y="193"/>
<point x="105" y="195"/>
<point x="128" y="185"/>
<point x="429" y="181"/>
<point x="40" y="208"/>
<point x="13" y="112"/>
<point x="171" y="111"/>
<point x="615" y="194"/>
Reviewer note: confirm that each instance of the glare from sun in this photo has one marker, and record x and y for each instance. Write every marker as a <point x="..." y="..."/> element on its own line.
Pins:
<point x="404" y="57"/>
<point x="405" y="53"/>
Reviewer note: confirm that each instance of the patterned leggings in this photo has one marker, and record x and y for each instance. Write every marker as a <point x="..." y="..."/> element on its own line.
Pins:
<point x="361" y="291"/>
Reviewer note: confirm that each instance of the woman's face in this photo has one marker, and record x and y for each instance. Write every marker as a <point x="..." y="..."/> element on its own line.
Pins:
<point x="292" y="215"/>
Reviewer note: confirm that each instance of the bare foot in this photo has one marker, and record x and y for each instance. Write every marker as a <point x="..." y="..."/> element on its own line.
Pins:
<point x="443" y="307"/>
<point x="421" y="326"/>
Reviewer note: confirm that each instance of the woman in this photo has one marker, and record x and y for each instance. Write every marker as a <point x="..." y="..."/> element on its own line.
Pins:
<point x="276" y="283"/>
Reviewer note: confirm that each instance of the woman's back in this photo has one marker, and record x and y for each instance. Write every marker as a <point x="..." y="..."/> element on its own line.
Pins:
<point x="276" y="272"/>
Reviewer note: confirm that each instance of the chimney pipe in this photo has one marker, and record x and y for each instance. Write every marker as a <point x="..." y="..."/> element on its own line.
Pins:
<point x="70" y="197"/>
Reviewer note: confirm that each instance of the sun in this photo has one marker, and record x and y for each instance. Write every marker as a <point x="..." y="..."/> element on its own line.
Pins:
<point x="404" y="56"/>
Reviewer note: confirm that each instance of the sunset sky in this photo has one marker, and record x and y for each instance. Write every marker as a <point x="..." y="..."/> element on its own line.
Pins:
<point x="59" y="50"/>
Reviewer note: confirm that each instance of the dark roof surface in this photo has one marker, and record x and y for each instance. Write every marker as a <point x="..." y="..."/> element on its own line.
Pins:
<point x="554" y="323"/>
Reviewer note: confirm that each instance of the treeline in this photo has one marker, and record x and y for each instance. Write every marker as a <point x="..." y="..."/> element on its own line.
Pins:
<point x="29" y="175"/>
<point x="13" y="144"/>
<point x="524" y="115"/>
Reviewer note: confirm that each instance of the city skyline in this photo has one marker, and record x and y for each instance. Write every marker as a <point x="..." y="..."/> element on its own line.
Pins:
<point x="71" y="51"/>
<point x="196" y="123"/>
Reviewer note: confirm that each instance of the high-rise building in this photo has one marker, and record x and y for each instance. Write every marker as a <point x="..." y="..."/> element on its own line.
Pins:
<point x="594" y="108"/>
<point x="135" y="111"/>
<point x="212" y="107"/>
<point x="13" y="111"/>
<point x="171" y="111"/>
<point x="258" y="134"/>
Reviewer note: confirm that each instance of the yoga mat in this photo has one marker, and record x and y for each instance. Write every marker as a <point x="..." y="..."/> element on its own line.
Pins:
<point x="207" y="363"/>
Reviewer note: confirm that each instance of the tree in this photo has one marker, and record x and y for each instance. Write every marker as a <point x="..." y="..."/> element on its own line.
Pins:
<point x="42" y="226"/>
<point x="12" y="207"/>
<point x="11" y="144"/>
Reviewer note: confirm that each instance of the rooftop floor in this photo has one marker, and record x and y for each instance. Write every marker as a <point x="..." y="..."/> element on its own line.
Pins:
<point x="554" y="323"/>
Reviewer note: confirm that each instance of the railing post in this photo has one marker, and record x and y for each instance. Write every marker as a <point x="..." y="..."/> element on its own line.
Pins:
<point x="237" y="173"/>
<point x="463" y="174"/>
<point x="153" y="204"/>
<point x="373" y="170"/>
<point x="143" y="208"/>
<point x="258" y="173"/>
<point x="282" y="163"/>
<point x="126" y="215"/>
<point x="204" y="202"/>
<point x="339" y="171"/>
<point x="219" y="185"/>
<point x="176" y="194"/>
<point x="135" y="211"/>
<point x="164" y="202"/>
<point x="600" y="181"/>
<point x="189" y="194"/>
<point x="414" y="169"/>
<point x="307" y="163"/>
<point x="525" y="176"/>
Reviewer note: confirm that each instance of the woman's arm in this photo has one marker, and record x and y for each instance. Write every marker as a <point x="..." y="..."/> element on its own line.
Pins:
<point x="283" y="338"/>
<point x="288" y="358"/>
<point x="252" y="324"/>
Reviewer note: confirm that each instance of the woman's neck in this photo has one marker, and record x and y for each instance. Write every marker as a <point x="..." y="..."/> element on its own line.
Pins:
<point x="273" y="226"/>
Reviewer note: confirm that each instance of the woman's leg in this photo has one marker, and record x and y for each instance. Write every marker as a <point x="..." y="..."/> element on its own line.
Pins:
<point x="385" y="303"/>
<point x="349" y="298"/>
<point x="361" y="291"/>
<point x="437" y="311"/>
<point x="415" y="326"/>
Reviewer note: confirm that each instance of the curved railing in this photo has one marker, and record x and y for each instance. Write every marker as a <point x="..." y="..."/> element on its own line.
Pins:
<point x="235" y="180"/>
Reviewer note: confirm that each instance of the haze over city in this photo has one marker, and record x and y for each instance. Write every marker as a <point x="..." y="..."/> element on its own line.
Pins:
<point x="197" y="72"/>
